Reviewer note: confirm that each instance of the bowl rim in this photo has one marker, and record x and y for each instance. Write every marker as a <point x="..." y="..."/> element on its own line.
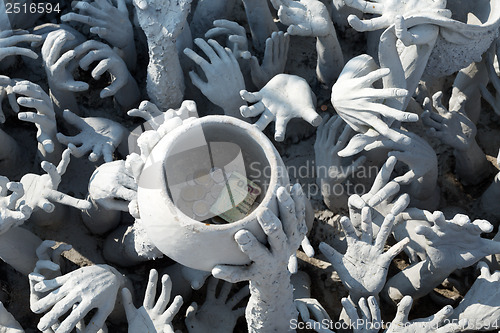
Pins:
<point x="252" y="132"/>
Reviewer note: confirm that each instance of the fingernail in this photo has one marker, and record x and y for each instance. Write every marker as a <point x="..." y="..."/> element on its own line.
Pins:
<point x="281" y="194"/>
<point x="243" y="237"/>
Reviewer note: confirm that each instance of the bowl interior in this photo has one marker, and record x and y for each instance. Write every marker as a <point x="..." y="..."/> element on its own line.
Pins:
<point x="211" y="158"/>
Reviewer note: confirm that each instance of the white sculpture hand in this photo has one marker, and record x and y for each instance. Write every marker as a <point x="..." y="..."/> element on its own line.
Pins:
<point x="311" y="306"/>
<point x="155" y="117"/>
<point x="443" y="249"/>
<point x="284" y="239"/>
<point x="9" y="39"/>
<point x="40" y="190"/>
<point x="77" y="287"/>
<point x="332" y="136"/>
<point x="217" y="313"/>
<point x="109" y="61"/>
<point x="107" y="21"/>
<point x="237" y="37"/>
<point x="388" y="9"/>
<point x="6" y="85"/>
<point x="363" y="268"/>
<point x="304" y="17"/>
<point x="452" y="127"/>
<point x="10" y="216"/>
<point x="45" y="29"/>
<point x="283" y="98"/>
<point x="480" y="306"/>
<point x="162" y="19"/>
<point x="224" y="77"/>
<point x="367" y="314"/>
<point x="8" y="324"/>
<point x="45" y="117"/>
<point x="361" y="105"/>
<point x="49" y="259"/>
<point x="112" y="186"/>
<point x="99" y="135"/>
<point x="151" y="317"/>
<point x="381" y="197"/>
<point x="434" y="324"/>
<point x="275" y="57"/>
<point x="58" y="75"/>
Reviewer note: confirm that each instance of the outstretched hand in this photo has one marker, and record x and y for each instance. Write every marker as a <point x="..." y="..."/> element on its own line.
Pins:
<point x="283" y="98"/>
<point x="151" y="316"/>
<point x="363" y="268"/>
<point x="216" y="313"/>
<point x="361" y="105"/>
<point x="99" y="135"/>
<point x="41" y="190"/>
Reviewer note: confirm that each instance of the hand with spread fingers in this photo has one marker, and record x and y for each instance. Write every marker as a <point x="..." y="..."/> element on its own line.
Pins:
<point x="101" y="136"/>
<point x="443" y="249"/>
<point x="9" y="40"/>
<point x="41" y="190"/>
<point x="108" y="21"/>
<point x="113" y="186"/>
<point x="383" y="197"/>
<point x="224" y="77"/>
<point x="237" y="37"/>
<point x="275" y="57"/>
<point x="217" y="312"/>
<point x="437" y="323"/>
<point x="58" y="296"/>
<point x="283" y="98"/>
<point x="362" y="106"/>
<point x="363" y="268"/>
<point x="33" y="96"/>
<point x="12" y="211"/>
<point x="366" y="318"/>
<point x="151" y="316"/>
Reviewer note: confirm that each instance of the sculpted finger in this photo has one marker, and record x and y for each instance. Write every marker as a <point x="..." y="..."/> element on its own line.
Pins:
<point x="272" y="227"/>
<point x="265" y="119"/>
<point x="233" y="274"/>
<point x="67" y="200"/>
<point x="249" y="245"/>
<point x="149" y="296"/>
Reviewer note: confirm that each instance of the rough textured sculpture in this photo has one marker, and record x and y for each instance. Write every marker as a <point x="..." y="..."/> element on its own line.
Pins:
<point x="336" y="163"/>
